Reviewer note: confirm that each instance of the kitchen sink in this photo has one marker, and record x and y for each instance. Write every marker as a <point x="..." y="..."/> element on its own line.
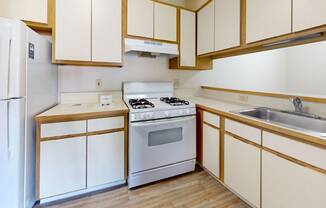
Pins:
<point x="301" y="121"/>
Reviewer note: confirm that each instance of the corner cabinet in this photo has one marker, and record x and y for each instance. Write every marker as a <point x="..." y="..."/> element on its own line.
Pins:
<point x="308" y="14"/>
<point x="88" y="34"/>
<point x="268" y="19"/>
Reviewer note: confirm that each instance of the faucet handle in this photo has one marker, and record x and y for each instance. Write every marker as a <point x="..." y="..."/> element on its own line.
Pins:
<point x="297" y="102"/>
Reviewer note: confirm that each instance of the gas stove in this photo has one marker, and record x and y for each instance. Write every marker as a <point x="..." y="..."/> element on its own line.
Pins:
<point x="154" y="100"/>
<point x="162" y="132"/>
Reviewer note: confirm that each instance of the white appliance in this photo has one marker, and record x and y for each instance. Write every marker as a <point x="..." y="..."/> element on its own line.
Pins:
<point x="28" y="85"/>
<point x="162" y="132"/>
<point x="153" y="47"/>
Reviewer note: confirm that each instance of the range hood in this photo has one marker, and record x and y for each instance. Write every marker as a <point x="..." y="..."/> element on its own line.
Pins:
<point x="152" y="47"/>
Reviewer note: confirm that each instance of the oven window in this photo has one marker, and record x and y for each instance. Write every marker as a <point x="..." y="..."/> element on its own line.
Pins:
<point x="165" y="136"/>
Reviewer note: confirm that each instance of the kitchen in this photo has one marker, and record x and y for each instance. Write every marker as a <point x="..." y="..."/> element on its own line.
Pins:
<point x="146" y="103"/>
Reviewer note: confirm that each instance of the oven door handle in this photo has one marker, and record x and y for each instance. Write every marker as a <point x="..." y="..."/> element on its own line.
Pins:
<point x="160" y="122"/>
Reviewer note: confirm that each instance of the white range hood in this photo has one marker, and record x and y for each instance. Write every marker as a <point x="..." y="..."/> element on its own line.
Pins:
<point x="150" y="47"/>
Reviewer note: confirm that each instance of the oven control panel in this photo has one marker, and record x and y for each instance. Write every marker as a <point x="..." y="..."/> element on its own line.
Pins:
<point x="145" y="116"/>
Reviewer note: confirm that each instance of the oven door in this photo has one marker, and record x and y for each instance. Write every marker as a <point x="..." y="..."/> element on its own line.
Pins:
<point x="158" y="143"/>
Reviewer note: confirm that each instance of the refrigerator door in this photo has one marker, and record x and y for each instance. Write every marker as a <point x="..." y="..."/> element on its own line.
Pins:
<point x="12" y="59"/>
<point x="5" y="48"/>
<point x="12" y="152"/>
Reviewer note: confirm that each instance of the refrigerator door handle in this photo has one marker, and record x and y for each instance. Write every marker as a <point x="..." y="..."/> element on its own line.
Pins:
<point x="5" y="59"/>
<point x="8" y="131"/>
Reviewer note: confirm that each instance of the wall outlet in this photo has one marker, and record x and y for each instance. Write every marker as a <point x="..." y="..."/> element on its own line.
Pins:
<point x="98" y="84"/>
<point x="243" y="98"/>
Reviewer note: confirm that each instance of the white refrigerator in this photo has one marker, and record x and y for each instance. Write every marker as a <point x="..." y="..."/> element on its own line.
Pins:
<point x="28" y="86"/>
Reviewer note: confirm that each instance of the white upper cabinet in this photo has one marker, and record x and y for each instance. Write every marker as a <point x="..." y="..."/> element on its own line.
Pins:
<point x="165" y="22"/>
<point x="107" y="31"/>
<point x="308" y="14"/>
<point x="30" y="10"/>
<point x="140" y="18"/>
<point x="227" y="24"/>
<point x="73" y="30"/>
<point x="268" y="18"/>
<point x="205" y="31"/>
<point x="187" y="38"/>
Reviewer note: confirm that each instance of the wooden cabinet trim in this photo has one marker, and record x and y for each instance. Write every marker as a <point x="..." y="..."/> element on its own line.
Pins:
<point x="294" y="160"/>
<point x="210" y="125"/>
<point x="41" y="27"/>
<point x="292" y="134"/>
<point x="243" y="139"/>
<point x="81" y="116"/>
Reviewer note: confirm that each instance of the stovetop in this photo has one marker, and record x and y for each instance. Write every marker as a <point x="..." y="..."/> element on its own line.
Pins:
<point x="155" y="104"/>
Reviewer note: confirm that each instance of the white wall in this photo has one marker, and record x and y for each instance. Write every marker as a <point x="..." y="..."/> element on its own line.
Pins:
<point x="258" y="72"/>
<point x="83" y="79"/>
<point x="300" y="70"/>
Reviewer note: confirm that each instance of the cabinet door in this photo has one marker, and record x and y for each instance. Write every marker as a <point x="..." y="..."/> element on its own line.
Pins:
<point x="268" y="18"/>
<point x="205" y="21"/>
<point x="30" y="10"/>
<point x="165" y="22"/>
<point x="308" y="14"/>
<point x="105" y="159"/>
<point x="62" y="166"/>
<point x="242" y="169"/>
<point x="140" y="18"/>
<point x="211" y="150"/>
<point x="286" y="184"/>
<point x="227" y="24"/>
<point x="187" y="38"/>
<point x="107" y="31"/>
<point x="73" y="30"/>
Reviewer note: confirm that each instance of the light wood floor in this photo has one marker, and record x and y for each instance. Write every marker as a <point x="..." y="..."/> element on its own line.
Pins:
<point x="195" y="190"/>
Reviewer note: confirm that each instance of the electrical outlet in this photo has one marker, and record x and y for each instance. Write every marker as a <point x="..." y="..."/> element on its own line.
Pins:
<point x="243" y="98"/>
<point x="98" y="84"/>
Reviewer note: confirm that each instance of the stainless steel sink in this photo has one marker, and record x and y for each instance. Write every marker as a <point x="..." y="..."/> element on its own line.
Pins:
<point x="301" y="121"/>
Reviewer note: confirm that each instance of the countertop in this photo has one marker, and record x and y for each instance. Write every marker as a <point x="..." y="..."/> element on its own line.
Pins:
<point x="223" y="108"/>
<point x="71" y="111"/>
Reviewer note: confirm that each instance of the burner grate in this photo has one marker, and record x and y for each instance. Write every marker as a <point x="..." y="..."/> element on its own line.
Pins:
<point x="140" y="104"/>
<point x="174" y="101"/>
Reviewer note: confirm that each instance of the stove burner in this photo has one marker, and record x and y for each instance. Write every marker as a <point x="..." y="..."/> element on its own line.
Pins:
<point x="140" y="104"/>
<point x="174" y="101"/>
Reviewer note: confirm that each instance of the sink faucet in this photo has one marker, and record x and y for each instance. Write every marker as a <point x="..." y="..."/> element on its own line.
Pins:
<point x="297" y="102"/>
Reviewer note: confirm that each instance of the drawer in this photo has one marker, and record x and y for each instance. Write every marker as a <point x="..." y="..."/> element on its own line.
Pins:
<point x="105" y="124"/>
<point x="298" y="150"/>
<point x="63" y="128"/>
<point x="247" y="132"/>
<point x="211" y="119"/>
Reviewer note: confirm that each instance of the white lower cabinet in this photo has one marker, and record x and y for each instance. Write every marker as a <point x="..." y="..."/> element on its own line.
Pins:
<point x="62" y="166"/>
<point x="286" y="184"/>
<point x="242" y="169"/>
<point x="211" y="150"/>
<point x="105" y="159"/>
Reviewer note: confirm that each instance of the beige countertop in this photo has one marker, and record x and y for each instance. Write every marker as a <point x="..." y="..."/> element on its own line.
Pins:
<point x="223" y="108"/>
<point x="80" y="110"/>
